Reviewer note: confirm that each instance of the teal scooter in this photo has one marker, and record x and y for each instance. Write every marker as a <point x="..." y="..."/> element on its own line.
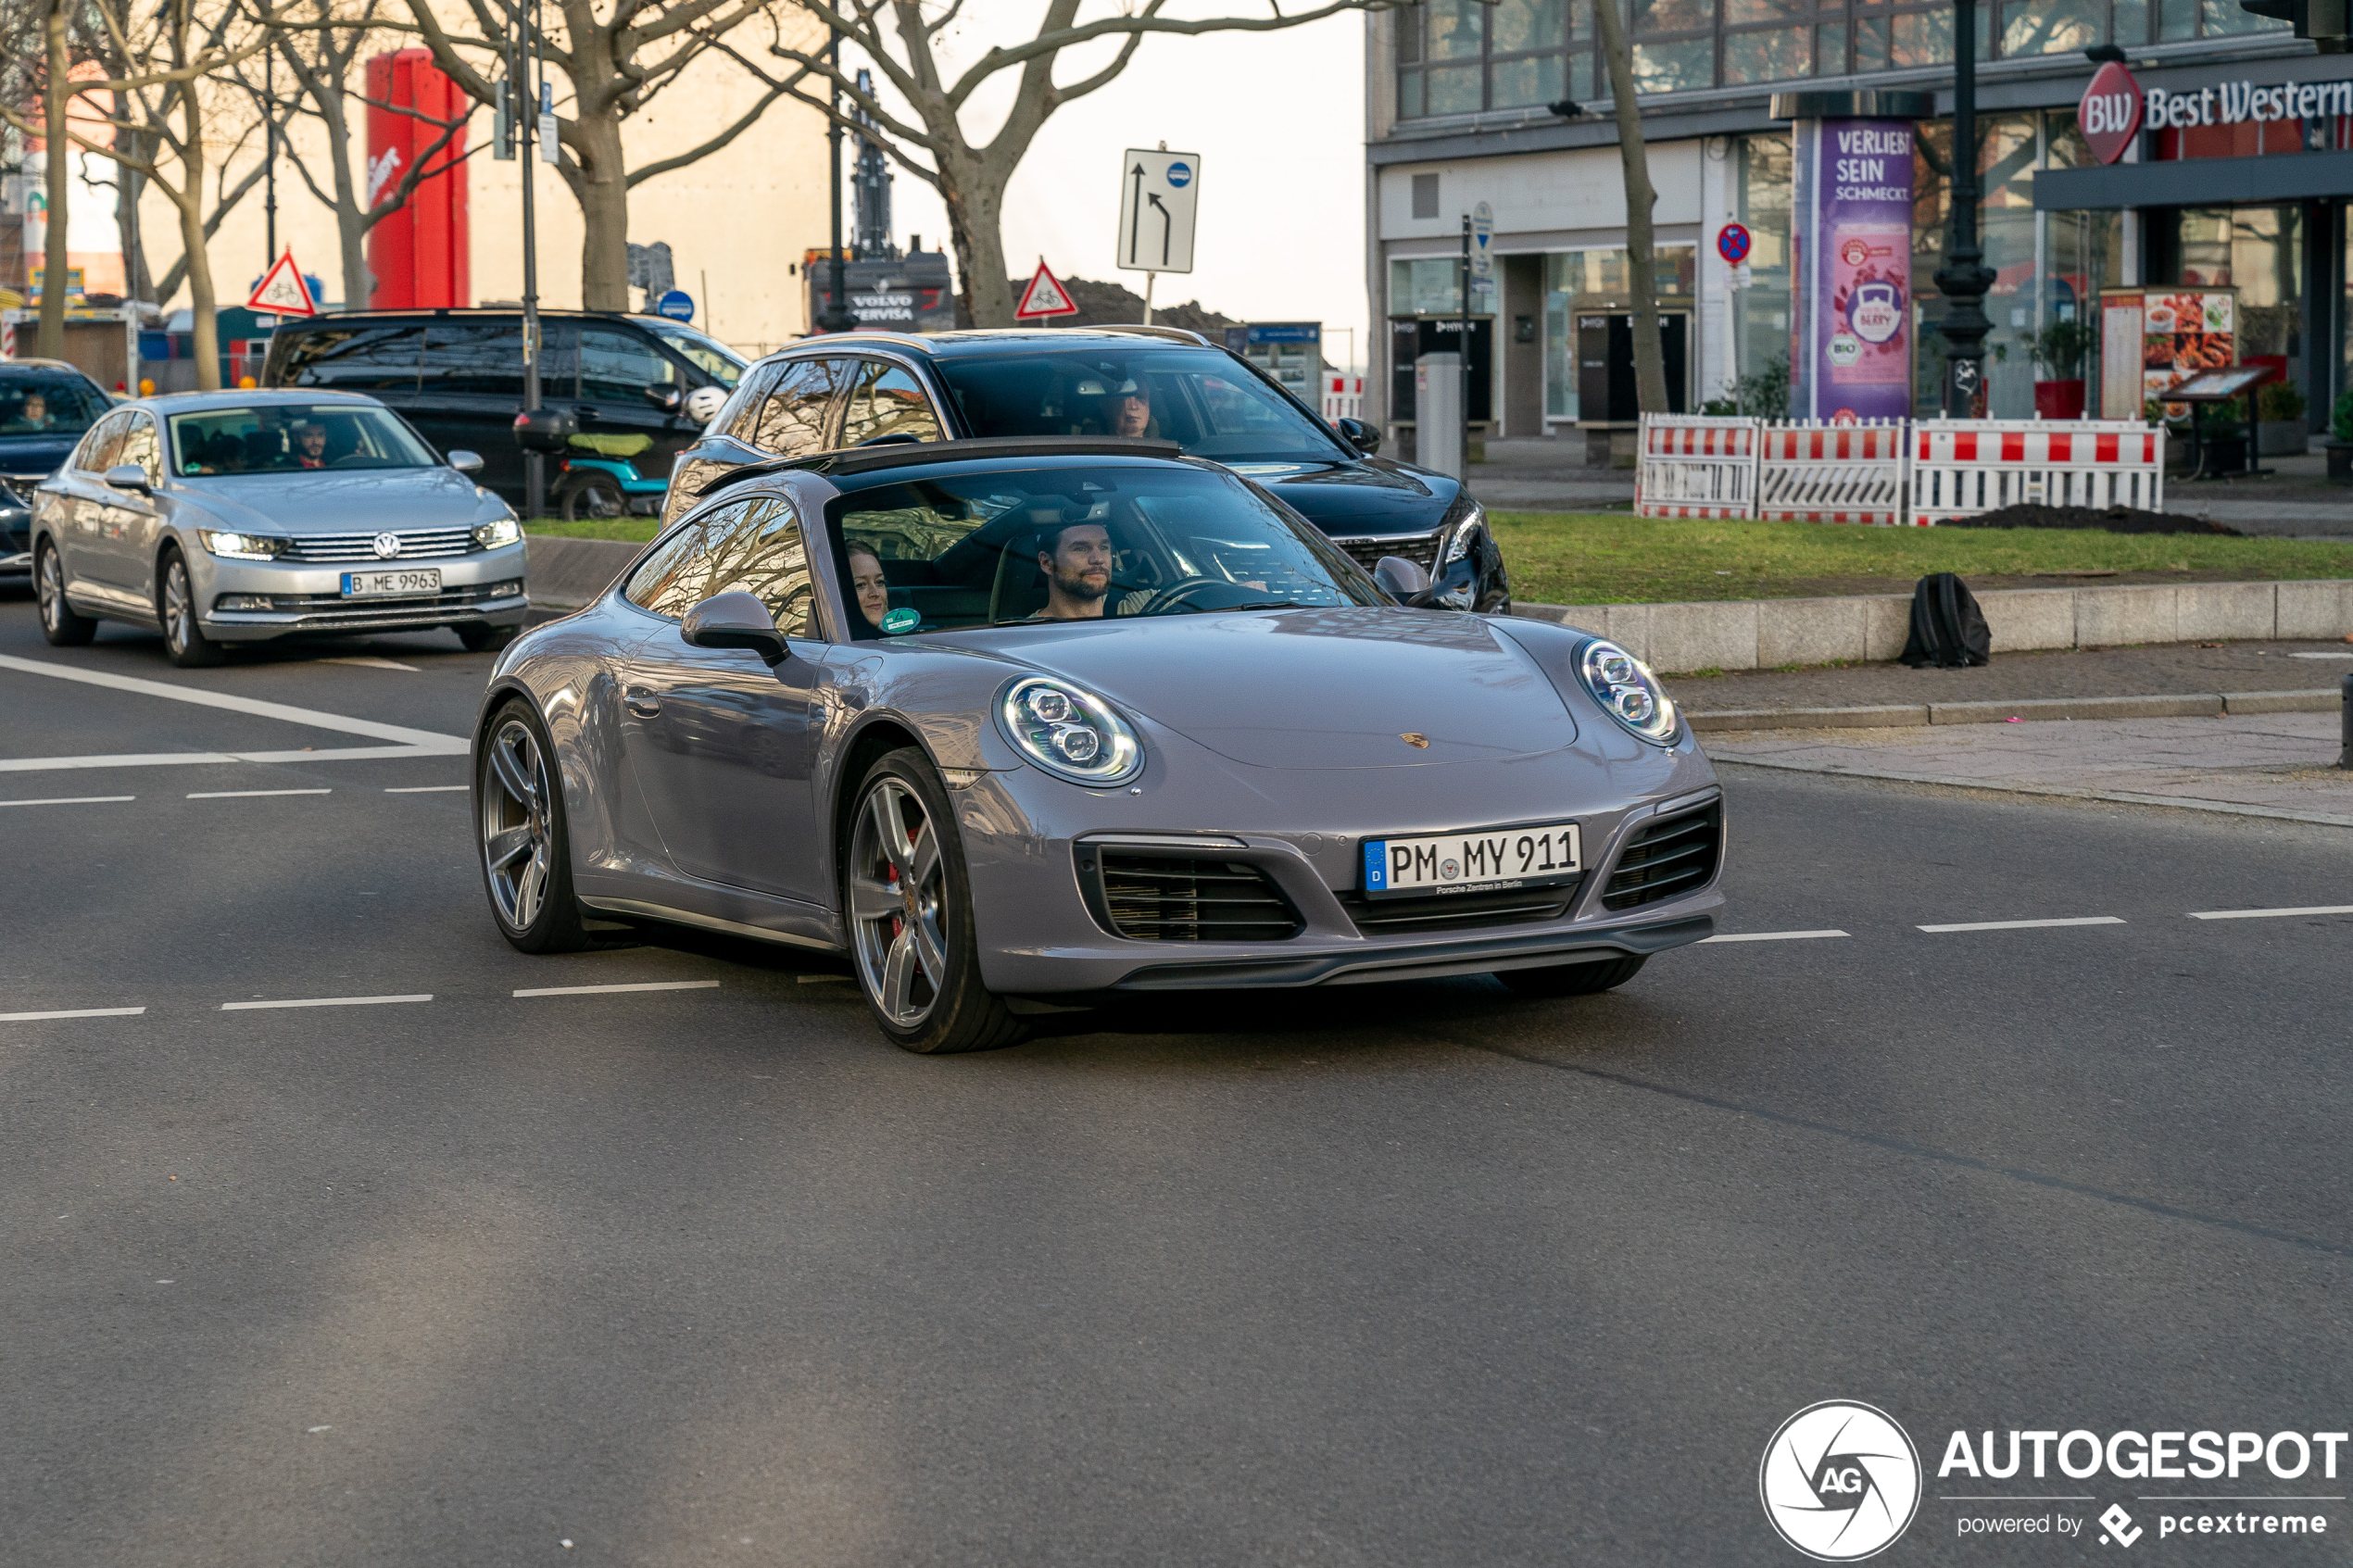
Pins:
<point x="597" y="479"/>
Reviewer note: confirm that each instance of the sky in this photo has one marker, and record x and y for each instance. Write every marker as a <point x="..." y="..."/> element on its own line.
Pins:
<point x="1277" y="120"/>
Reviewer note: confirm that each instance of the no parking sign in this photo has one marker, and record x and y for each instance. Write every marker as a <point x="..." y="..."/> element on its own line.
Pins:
<point x="1732" y="243"/>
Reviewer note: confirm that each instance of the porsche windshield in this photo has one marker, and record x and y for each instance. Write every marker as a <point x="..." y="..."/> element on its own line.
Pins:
<point x="289" y="437"/>
<point x="1007" y="545"/>
<point x="1197" y="397"/>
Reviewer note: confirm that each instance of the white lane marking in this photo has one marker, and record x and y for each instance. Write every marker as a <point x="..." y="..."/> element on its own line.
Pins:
<point x="368" y="662"/>
<point x="2026" y="925"/>
<point x="637" y="985"/>
<point x="70" y="1013"/>
<point x="1769" y="936"/>
<point x="173" y="759"/>
<point x="72" y="800"/>
<point x="326" y="1002"/>
<point x="2272" y="914"/>
<point x="322" y="1429"/>
<point x="426" y="789"/>
<point x="2321" y="656"/>
<point x="341" y="723"/>
<point x="249" y="794"/>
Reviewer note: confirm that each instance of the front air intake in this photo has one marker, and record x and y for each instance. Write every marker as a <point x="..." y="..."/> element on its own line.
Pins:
<point x="1154" y="897"/>
<point x="1666" y="857"/>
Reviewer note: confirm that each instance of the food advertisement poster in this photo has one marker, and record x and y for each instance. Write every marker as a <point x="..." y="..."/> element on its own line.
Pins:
<point x="1856" y="282"/>
<point x="2185" y="333"/>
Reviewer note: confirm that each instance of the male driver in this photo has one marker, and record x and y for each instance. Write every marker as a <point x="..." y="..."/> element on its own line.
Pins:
<point x="1076" y="557"/>
<point x="1129" y="411"/>
<point x="311" y="446"/>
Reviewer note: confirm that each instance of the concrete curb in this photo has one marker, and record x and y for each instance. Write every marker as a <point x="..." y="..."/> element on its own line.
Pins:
<point x="2202" y="705"/>
<point x="567" y="573"/>
<point x="1770" y="634"/>
<point x="2122" y="798"/>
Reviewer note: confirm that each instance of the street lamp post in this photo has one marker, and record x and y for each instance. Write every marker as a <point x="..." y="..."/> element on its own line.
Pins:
<point x="836" y="317"/>
<point x="535" y="466"/>
<point x="1963" y="279"/>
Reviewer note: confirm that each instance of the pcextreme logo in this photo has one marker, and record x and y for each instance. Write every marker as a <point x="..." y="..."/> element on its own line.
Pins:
<point x="1840" y="1480"/>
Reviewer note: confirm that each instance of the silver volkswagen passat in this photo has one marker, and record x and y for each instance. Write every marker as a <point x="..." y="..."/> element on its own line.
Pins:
<point x="238" y="517"/>
<point x="1017" y="725"/>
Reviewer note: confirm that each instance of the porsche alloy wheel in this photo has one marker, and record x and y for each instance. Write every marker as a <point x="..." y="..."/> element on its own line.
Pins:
<point x="525" y="858"/>
<point x="910" y="907"/>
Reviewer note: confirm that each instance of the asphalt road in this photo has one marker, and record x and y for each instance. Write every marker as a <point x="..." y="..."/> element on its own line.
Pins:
<point x="1424" y="1275"/>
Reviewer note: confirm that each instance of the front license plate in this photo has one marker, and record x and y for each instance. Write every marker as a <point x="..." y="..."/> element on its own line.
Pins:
<point x="1472" y="862"/>
<point x="377" y="584"/>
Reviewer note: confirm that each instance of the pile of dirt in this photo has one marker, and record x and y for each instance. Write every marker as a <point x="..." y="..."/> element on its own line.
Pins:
<point x="2112" y="520"/>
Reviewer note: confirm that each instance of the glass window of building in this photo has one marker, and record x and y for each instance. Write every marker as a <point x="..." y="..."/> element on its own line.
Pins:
<point x="1761" y="179"/>
<point x="1592" y="277"/>
<point x="1432" y="286"/>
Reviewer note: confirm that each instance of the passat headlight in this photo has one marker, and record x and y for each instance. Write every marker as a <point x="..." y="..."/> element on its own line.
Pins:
<point x="1625" y="687"/>
<point x="243" y="546"/>
<point x="502" y="530"/>
<point x="1069" y="731"/>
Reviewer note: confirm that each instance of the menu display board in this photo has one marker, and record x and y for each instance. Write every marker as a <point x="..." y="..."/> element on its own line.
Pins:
<point x="2182" y="333"/>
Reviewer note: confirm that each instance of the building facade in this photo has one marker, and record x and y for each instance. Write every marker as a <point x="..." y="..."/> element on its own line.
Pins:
<point x="1801" y="155"/>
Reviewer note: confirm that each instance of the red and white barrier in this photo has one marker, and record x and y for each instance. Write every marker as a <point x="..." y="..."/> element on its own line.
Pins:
<point x="1343" y="398"/>
<point x="1815" y="472"/>
<point x="1961" y="467"/>
<point x="1697" y="465"/>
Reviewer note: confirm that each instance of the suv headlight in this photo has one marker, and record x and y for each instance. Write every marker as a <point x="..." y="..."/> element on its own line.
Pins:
<point x="1458" y="544"/>
<point x="1624" y="686"/>
<point x="498" y="533"/>
<point x="1069" y="731"/>
<point x="243" y="546"/>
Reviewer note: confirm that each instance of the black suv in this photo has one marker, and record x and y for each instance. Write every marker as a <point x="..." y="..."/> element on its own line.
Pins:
<point x="45" y="405"/>
<point x="1155" y="383"/>
<point x="457" y="375"/>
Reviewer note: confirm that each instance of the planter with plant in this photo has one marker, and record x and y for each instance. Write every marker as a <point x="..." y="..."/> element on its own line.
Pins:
<point x="2060" y="349"/>
<point x="2279" y="414"/>
<point x="2340" y="442"/>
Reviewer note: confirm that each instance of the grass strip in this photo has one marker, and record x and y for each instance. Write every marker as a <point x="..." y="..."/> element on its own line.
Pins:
<point x="636" y="529"/>
<point x="1582" y="557"/>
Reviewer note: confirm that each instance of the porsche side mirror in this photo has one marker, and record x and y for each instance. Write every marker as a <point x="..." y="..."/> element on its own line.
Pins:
<point x="128" y="476"/>
<point x="465" y="461"/>
<point x="1357" y="434"/>
<point x="1403" y="580"/>
<point x="736" y="619"/>
<point x="665" y="396"/>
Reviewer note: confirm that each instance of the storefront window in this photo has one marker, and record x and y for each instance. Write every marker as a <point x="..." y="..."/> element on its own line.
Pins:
<point x="2052" y="27"/>
<point x="2259" y="251"/>
<point x="1462" y="57"/>
<point x="1761" y="179"/>
<point x="1598" y="275"/>
<point x="1432" y="286"/>
<point x="2084" y="250"/>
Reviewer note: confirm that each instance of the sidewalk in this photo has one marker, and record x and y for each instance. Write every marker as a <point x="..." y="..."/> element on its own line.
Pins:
<point x="2162" y="669"/>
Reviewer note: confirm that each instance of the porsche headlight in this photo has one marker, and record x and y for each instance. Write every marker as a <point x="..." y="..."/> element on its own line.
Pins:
<point x="498" y="532"/>
<point x="1625" y="687"/>
<point x="243" y="546"/>
<point x="1069" y="731"/>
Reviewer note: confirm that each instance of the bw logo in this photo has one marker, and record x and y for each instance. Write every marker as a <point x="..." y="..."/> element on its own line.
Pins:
<point x="2119" y="1526"/>
<point x="1841" y="1481"/>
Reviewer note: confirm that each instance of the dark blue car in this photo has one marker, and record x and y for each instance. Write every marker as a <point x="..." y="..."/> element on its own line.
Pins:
<point x="45" y="406"/>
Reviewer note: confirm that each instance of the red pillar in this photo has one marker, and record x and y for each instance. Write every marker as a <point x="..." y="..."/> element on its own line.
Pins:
<point x="419" y="253"/>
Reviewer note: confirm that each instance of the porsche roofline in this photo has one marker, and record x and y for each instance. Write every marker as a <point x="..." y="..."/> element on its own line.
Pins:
<point x="930" y="453"/>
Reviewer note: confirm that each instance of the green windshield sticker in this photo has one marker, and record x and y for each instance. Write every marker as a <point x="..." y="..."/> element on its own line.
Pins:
<point x="899" y="621"/>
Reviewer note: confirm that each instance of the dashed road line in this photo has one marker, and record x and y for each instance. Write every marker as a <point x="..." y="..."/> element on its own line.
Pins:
<point x="326" y="1002"/>
<point x="2272" y="914"/>
<point x="70" y="1013"/>
<point x="426" y="789"/>
<point x="1769" y="936"/>
<point x="251" y="794"/>
<point x="2024" y="925"/>
<point x="633" y="985"/>
<point x="72" y="800"/>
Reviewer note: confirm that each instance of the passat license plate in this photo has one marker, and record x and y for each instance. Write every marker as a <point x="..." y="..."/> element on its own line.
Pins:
<point x="1470" y="862"/>
<point x="378" y="584"/>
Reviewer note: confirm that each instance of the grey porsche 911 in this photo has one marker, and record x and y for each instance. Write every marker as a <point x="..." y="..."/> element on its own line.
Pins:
<point x="1017" y="725"/>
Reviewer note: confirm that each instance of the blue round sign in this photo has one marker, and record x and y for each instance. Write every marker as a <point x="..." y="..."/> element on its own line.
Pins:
<point x="678" y="304"/>
<point x="1180" y="175"/>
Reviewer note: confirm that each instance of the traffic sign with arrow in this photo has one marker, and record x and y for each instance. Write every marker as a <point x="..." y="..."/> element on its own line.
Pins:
<point x="1482" y="236"/>
<point x="282" y="291"/>
<point x="1045" y="297"/>
<point x="1159" y="191"/>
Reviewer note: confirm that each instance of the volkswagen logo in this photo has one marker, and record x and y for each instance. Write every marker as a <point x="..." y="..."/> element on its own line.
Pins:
<point x="1840" y="1481"/>
<point x="387" y="546"/>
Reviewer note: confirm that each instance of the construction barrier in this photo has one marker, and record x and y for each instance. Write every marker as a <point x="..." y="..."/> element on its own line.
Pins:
<point x="1697" y="465"/>
<point x="1961" y="467"/>
<point x="1816" y="472"/>
<point x="1343" y="398"/>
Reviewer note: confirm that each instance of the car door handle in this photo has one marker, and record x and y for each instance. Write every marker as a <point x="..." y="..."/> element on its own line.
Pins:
<point x="585" y="412"/>
<point x="645" y="704"/>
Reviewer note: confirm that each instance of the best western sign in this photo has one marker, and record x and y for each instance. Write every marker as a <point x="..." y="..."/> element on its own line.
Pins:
<point x="2114" y="107"/>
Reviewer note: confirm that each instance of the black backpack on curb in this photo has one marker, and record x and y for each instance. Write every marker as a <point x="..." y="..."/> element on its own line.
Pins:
<point x="1948" y="630"/>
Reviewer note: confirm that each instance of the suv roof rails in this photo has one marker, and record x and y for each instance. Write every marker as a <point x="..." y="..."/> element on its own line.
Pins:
<point x="914" y="454"/>
<point x="1174" y="335"/>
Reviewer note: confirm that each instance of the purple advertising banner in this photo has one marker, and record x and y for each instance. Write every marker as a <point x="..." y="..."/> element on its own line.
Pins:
<point x="1854" y="277"/>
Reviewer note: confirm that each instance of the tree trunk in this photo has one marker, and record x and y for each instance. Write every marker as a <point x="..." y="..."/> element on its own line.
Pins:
<point x="196" y="246"/>
<point x="139" y="284"/>
<point x="50" y="343"/>
<point x="351" y="206"/>
<point x="1650" y="363"/>
<point x="603" y="190"/>
<point x="975" y="199"/>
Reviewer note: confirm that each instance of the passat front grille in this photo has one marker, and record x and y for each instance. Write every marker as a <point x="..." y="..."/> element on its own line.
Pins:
<point x="430" y="543"/>
<point x="1153" y="896"/>
<point x="1459" y="912"/>
<point x="1667" y="856"/>
<point x="1419" y="548"/>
